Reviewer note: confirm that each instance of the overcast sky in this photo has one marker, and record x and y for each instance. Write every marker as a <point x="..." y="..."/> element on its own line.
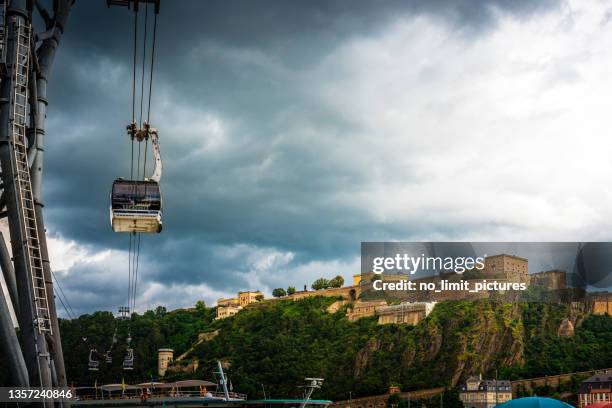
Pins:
<point x="293" y="130"/>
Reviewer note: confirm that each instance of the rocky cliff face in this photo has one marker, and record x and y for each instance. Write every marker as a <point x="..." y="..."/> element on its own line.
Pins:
<point x="461" y="339"/>
<point x="279" y="343"/>
<point x="566" y="329"/>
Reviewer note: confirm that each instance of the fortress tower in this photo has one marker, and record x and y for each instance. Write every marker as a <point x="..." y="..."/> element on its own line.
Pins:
<point x="511" y="267"/>
<point x="164" y="358"/>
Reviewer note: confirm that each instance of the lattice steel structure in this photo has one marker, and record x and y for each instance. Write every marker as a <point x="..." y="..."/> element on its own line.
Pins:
<point x="26" y="57"/>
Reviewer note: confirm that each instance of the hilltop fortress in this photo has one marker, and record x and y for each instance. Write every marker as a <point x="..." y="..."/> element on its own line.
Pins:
<point x="410" y="308"/>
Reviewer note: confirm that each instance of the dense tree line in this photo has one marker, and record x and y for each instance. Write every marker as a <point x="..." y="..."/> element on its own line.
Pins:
<point x="277" y="344"/>
<point x="149" y="331"/>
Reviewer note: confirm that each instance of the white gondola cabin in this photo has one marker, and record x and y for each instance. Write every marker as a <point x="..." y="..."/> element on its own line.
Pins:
<point x="92" y="364"/>
<point x="136" y="206"/>
<point x="128" y="360"/>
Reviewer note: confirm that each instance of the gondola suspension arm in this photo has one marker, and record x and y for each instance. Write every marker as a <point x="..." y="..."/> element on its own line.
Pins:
<point x="148" y="132"/>
<point x="157" y="168"/>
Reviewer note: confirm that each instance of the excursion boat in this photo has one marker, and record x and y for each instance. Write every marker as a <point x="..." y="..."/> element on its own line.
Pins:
<point x="188" y="393"/>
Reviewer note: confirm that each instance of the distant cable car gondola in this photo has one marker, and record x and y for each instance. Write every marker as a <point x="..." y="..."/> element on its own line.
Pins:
<point x="136" y="205"/>
<point x="128" y="360"/>
<point x="92" y="365"/>
<point x="108" y="356"/>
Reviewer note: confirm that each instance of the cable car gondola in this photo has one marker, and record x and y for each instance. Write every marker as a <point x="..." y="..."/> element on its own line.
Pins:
<point x="92" y="365"/>
<point x="128" y="360"/>
<point x="136" y="205"/>
<point x="108" y="356"/>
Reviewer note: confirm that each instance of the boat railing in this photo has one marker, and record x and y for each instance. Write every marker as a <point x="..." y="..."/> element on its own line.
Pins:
<point x="158" y="393"/>
<point x="232" y="395"/>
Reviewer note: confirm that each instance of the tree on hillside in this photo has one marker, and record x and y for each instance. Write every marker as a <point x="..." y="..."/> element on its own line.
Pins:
<point x="160" y="311"/>
<point x="394" y="400"/>
<point x="320" y="283"/>
<point x="279" y="292"/>
<point x="259" y="298"/>
<point x="200" y="305"/>
<point x="291" y="290"/>
<point x="259" y="333"/>
<point x="337" y="282"/>
<point x="451" y="399"/>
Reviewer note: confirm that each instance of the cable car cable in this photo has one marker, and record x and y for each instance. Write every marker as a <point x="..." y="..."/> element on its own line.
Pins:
<point x="144" y="58"/>
<point x="138" y="199"/>
<point x="138" y="163"/>
<point x="144" y="166"/>
<point x="135" y="285"/>
<point x="137" y="238"/>
<point x="134" y="67"/>
<point x="152" y="65"/>
<point x="91" y="363"/>
<point x="130" y="251"/>
<point x="129" y="273"/>
<point x="136" y="203"/>
<point x="63" y="298"/>
<point x="72" y="315"/>
<point x="134" y="240"/>
<point x="135" y="53"/>
<point x="134" y="252"/>
<point x="132" y="162"/>
<point x="63" y="304"/>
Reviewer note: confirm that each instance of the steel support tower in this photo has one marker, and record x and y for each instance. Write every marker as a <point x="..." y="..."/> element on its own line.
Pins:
<point x="26" y="58"/>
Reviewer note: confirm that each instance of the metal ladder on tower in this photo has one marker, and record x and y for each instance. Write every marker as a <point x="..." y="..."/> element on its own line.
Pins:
<point x="23" y="185"/>
<point x="2" y="33"/>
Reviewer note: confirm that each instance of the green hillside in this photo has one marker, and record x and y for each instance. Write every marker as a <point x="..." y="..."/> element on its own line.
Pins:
<point x="278" y="343"/>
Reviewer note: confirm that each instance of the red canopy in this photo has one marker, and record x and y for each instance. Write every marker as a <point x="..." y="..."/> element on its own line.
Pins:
<point x="605" y="404"/>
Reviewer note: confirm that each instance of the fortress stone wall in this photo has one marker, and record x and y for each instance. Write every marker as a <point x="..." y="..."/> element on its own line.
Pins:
<point x="380" y="401"/>
<point x="551" y="381"/>
<point x="348" y="292"/>
<point x="601" y="303"/>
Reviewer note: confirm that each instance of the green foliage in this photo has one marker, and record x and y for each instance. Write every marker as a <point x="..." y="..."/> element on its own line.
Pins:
<point x="474" y="274"/>
<point x="150" y="331"/>
<point x="547" y="354"/>
<point x="279" y="292"/>
<point x="337" y="282"/>
<point x="394" y="400"/>
<point x="451" y="399"/>
<point x="320" y="283"/>
<point x="280" y="343"/>
<point x="291" y="290"/>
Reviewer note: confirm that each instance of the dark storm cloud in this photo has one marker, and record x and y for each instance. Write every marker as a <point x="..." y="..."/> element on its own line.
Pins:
<point x="240" y="61"/>
<point x="300" y="32"/>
